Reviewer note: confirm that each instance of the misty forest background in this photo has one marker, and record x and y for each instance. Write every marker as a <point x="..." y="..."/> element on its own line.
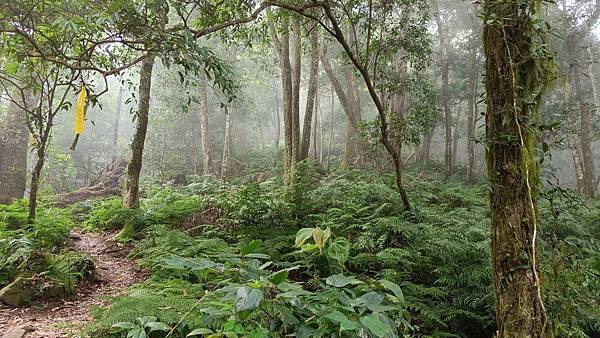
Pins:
<point x="420" y="168"/>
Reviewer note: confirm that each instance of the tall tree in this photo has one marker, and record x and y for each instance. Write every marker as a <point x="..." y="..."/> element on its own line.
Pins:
<point x="131" y="198"/>
<point x="577" y="50"/>
<point x="14" y="136"/>
<point x="313" y="82"/>
<point x="516" y="72"/>
<point x="443" y="39"/>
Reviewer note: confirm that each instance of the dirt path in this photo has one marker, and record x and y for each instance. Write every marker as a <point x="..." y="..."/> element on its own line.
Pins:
<point x="65" y="318"/>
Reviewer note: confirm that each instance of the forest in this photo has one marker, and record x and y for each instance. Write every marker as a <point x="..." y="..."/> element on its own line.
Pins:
<point x="299" y="168"/>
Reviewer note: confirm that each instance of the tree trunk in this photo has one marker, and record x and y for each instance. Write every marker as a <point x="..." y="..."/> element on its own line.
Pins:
<point x="471" y="116"/>
<point x="512" y="127"/>
<point x="296" y="63"/>
<point x="131" y="198"/>
<point x="226" y="145"/>
<point x="13" y="154"/>
<point x="445" y="99"/>
<point x="276" y="117"/>
<point x="456" y="134"/>
<point x="205" y="130"/>
<point x="115" y="137"/>
<point x="573" y="144"/>
<point x="36" y="174"/>
<point x="311" y="95"/>
<point x="585" y="112"/>
<point x="282" y="45"/>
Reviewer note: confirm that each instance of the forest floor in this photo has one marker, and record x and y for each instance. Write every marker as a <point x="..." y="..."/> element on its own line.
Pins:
<point x="66" y="317"/>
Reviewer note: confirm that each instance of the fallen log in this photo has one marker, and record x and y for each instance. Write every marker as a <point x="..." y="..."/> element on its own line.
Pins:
<point x="106" y="184"/>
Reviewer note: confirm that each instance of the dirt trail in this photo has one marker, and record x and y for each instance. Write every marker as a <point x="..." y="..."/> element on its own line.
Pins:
<point x="65" y="318"/>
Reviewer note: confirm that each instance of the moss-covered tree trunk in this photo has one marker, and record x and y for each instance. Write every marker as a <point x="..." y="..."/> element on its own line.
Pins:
<point x="514" y="84"/>
<point x="13" y="154"/>
<point x="131" y="198"/>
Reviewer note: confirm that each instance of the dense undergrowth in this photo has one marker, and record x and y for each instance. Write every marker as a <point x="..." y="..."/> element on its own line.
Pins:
<point x="38" y="253"/>
<point x="329" y="256"/>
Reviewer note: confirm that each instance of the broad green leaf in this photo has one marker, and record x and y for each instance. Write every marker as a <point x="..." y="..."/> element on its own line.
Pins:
<point x="137" y="333"/>
<point x="247" y="298"/>
<point x="157" y="326"/>
<point x="375" y="325"/>
<point x="339" y="250"/>
<point x="371" y="300"/>
<point x="395" y="288"/>
<point x="345" y="323"/>
<point x="319" y="237"/>
<point x="302" y="235"/>
<point x="339" y="281"/>
<point x="279" y="276"/>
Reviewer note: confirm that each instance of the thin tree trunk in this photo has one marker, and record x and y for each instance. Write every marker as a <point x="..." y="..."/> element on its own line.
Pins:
<point x="14" y="136"/>
<point x="513" y="96"/>
<point x="226" y="145"/>
<point x="131" y="198"/>
<point x="311" y="95"/>
<point x="471" y="122"/>
<point x="205" y="130"/>
<point x="456" y="134"/>
<point x="277" y="117"/>
<point x="115" y="137"/>
<point x="331" y="126"/>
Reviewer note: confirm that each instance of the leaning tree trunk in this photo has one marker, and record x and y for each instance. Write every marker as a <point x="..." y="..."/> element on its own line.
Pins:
<point x="131" y="198"/>
<point x="515" y="78"/>
<point x="205" y="131"/>
<point x="13" y="154"/>
<point x="311" y="95"/>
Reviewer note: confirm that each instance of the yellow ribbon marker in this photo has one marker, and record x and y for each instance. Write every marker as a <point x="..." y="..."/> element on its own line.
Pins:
<point x="80" y="111"/>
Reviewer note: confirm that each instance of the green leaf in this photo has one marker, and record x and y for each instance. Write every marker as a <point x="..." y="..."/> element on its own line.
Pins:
<point x="375" y="325"/>
<point x="339" y="281"/>
<point x="137" y="333"/>
<point x="371" y="300"/>
<point x="395" y="288"/>
<point x="345" y="323"/>
<point x="279" y="276"/>
<point x="197" y="332"/>
<point x="247" y="299"/>
<point x="157" y="326"/>
<point x="319" y="237"/>
<point x="302" y="235"/>
<point x="339" y="250"/>
<point x="250" y="247"/>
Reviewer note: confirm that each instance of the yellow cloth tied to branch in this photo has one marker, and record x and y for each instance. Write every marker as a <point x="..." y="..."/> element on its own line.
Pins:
<point x="80" y="111"/>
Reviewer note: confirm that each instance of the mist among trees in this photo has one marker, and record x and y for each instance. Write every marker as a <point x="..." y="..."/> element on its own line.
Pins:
<point x="200" y="168"/>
